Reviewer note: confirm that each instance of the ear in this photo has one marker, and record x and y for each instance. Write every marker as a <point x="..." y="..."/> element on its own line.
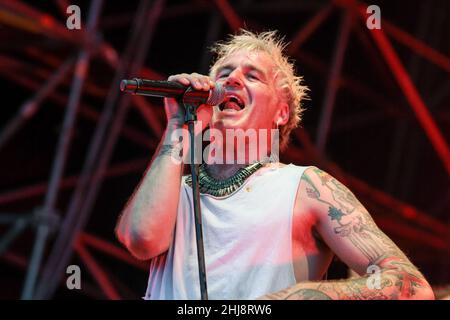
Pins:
<point x="282" y="114"/>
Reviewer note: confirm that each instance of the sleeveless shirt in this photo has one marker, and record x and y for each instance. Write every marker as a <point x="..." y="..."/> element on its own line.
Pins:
<point x="247" y="241"/>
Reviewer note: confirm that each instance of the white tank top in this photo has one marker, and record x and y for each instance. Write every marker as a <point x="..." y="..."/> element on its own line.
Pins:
<point x="247" y="241"/>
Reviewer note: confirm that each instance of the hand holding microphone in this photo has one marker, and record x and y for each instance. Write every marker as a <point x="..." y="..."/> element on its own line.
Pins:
<point x="195" y="88"/>
<point x="204" y="92"/>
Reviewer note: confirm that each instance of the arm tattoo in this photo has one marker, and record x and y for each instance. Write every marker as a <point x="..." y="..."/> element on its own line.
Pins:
<point x="171" y="150"/>
<point x="308" y="294"/>
<point x="354" y="223"/>
<point x="353" y="220"/>
<point x="300" y="294"/>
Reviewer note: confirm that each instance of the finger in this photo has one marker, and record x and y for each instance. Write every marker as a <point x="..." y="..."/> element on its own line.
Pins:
<point x="196" y="83"/>
<point x="185" y="81"/>
<point x="205" y="83"/>
<point x="181" y="78"/>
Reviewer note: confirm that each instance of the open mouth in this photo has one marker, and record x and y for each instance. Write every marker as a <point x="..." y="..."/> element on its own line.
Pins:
<point x="232" y="103"/>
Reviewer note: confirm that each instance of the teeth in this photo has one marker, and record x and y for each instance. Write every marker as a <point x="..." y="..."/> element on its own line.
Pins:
<point x="232" y="103"/>
<point x="230" y="106"/>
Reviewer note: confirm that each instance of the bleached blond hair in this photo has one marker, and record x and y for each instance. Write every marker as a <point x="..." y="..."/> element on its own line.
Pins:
<point x="288" y="84"/>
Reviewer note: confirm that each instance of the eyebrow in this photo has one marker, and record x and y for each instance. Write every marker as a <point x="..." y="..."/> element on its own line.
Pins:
<point x="247" y="66"/>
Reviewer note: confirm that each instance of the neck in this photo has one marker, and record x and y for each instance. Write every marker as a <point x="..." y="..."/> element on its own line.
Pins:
<point x="228" y="154"/>
<point x="223" y="171"/>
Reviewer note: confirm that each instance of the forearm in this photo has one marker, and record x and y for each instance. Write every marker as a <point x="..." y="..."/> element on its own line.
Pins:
<point x="347" y="228"/>
<point x="387" y="285"/>
<point x="349" y="289"/>
<point x="148" y="220"/>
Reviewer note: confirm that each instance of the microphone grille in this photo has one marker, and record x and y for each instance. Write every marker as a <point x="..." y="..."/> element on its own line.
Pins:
<point x="216" y="96"/>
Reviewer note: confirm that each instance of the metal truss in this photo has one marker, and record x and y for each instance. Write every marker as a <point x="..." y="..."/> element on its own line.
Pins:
<point x="59" y="234"/>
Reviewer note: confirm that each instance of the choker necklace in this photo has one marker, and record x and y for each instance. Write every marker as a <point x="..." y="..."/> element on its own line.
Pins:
<point x="222" y="188"/>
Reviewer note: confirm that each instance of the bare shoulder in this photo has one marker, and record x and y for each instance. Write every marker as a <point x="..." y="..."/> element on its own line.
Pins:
<point x="307" y="190"/>
<point x="317" y="189"/>
<point x="305" y="217"/>
<point x="316" y="184"/>
<point x="349" y="230"/>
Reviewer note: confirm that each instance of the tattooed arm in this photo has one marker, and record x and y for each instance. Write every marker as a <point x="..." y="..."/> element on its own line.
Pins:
<point x="348" y="229"/>
<point x="147" y="222"/>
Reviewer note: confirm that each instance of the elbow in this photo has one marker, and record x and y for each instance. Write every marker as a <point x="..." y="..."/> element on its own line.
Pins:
<point x="422" y="292"/>
<point x="143" y="252"/>
<point x="147" y="249"/>
<point x="142" y="248"/>
<point x="144" y="242"/>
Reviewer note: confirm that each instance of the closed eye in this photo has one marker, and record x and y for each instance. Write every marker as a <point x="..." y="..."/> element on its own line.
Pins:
<point x="252" y="76"/>
<point x="221" y="76"/>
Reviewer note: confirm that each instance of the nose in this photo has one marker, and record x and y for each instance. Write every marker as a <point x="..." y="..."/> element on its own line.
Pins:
<point x="234" y="80"/>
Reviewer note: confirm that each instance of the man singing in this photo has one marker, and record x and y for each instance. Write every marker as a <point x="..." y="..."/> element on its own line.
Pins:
<point x="270" y="229"/>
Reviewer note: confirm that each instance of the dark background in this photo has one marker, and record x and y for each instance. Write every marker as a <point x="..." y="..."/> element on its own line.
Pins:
<point x="374" y="134"/>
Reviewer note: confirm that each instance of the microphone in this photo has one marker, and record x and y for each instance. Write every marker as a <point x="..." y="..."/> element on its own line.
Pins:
<point x="170" y="89"/>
